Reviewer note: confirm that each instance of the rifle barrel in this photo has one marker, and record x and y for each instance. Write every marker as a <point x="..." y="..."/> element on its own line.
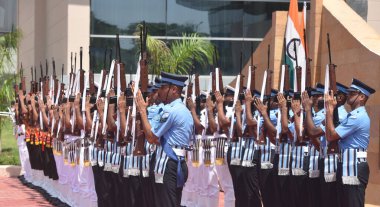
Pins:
<point x="80" y="58"/>
<point x="268" y="55"/>
<point x="328" y="46"/>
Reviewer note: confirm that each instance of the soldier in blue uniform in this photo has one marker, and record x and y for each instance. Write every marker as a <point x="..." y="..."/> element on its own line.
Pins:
<point x="173" y="133"/>
<point x="353" y="135"/>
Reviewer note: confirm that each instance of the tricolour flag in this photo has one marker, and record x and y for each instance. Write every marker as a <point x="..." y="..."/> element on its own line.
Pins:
<point x="295" y="44"/>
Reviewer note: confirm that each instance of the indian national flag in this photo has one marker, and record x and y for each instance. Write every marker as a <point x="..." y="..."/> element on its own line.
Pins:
<point x="295" y="44"/>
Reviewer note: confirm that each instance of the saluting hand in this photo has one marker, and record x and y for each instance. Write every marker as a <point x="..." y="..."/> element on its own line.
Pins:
<point x="27" y="97"/>
<point x="41" y="105"/>
<point x="100" y="105"/>
<point x="49" y="102"/>
<point x="33" y="100"/>
<point x="210" y="105"/>
<point x="219" y="98"/>
<point x="21" y="94"/>
<point x="281" y="100"/>
<point x="330" y="103"/>
<point x="306" y="101"/>
<point x="140" y="103"/>
<point x="260" y="106"/>
<point x="76" y="100"/>
<point x="60" y="111"/>
<point x="88" y="104"/>
<point x="248" y="97"/>
<point x="190" y="104"/>
<point x="238" y="108"/>
<point x="296" y="107"/>
<point x="111" y="93"/>
<point x="121" y="103"/>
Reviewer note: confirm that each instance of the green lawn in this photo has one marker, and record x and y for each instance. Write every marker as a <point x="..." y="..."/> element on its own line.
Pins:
<point x="9" y="154"/>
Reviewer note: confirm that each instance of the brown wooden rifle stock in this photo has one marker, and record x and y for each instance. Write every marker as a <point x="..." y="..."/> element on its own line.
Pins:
<point x="333" y="146"/>
<point x="267" y="93"/>
<point x="140" y="137"/>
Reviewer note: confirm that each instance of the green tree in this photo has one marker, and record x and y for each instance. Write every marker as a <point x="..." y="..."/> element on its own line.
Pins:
<point x="180" y="56"/>
<point x="8" y="45"/>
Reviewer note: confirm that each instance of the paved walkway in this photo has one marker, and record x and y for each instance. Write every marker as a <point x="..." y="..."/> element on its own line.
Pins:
<point x="14" y="193"/>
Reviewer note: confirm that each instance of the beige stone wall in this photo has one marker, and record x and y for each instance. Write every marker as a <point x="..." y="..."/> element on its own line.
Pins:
<point x="274" y="38"/>
<point x="355" y="47"/>
<point x="53" y="28"/>
<point x="373" y="17"/>
<point x="356" y="51"/>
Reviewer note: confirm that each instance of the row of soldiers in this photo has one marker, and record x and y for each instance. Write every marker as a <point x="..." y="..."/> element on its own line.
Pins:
<point x="138" y="138"/>
<point x="287" y="161"/>
<point x="289" y="171"/>
<point x="129" y="136"/>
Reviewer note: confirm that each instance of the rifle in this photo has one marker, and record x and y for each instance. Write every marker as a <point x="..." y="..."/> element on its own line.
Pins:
<point x="81" y="71"/>
<point x="41" y="78"/>
<point x="286" y="88"/>
<point x="16" y="89"/>
<point x="250" y="88"/>
<point x="241" y="92"/>
<point x="100" y="93"/>
<point x="332" y="146"/>
<point x="287" y="76"/>
<point x="251" y="82"/>
<point x="71" y="82"/>
<point x="232" y="132"/>
<point x="31" y="81"/>
<point x="62" y="91"/>
<point x="56" y="82"/>
<point x="265" y="91"/>
<point x="281" y="90"/>
<point x="91" y="79"/>
<point x="140" y="141"/>
<point x="308" y="67"/>
<point x="23" y="86"/>
<point x="120" y="85"/>
<point x="95" y="120"/>
<point x="189" y="87"/>
<point x="197" y="93"/>
<point x="41" y="95"/>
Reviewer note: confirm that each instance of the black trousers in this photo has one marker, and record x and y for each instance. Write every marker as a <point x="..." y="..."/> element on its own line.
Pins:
<point x="267" y="187"/>
<point x="328" y="190"/>
<point x="104" y="187"/>
<point x="299" y="186"/>
<point x="245" y="181"/>
<point x="353" y="195"/>
<point x="98" y="185"/>
<point x="148" y="191"/>
<point x="314" y="191"/>
<point x="52" y="168"/>
<point x="268" y="183"/>
<point x="283" y="187"/>
<point x="167" y="194"/>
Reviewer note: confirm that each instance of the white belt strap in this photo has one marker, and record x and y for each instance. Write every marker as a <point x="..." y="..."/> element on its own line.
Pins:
<point x="179" y="152"/>
<point x="361" y="154"/>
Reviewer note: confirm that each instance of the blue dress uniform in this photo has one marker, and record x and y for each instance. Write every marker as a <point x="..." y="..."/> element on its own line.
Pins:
<point x="315" y="159"/>
<point x="268" y="157"/>
<point x="174" y="130"/>
<point x="353" y="169"/>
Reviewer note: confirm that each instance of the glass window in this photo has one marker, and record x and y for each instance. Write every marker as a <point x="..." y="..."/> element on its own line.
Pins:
<point x="122" y="16"/>
<point x="8" y="12"/>
<point x="228" y="24"/>
<point x="128" y="51"/>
